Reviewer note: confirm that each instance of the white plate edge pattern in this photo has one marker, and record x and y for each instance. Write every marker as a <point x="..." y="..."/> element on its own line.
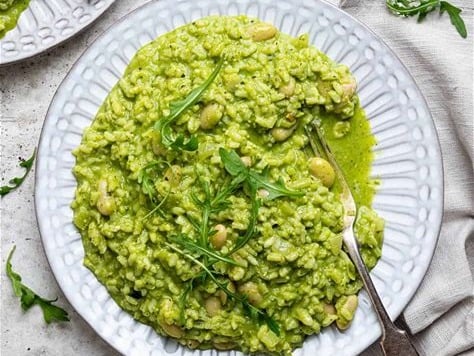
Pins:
<point x="424" y="257"/>
<point x="47" y="34"/>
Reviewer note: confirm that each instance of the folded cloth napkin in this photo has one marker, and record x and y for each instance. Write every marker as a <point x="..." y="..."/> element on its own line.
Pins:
<point x="441" y="314"/>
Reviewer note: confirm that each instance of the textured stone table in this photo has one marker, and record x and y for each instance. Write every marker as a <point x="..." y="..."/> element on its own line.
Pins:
<point x="26" y="91"/>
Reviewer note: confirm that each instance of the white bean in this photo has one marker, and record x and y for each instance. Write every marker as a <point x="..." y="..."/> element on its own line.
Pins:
<point x="219" y="239"/>
<point x="223" y="296"/>
<point x="250" y="289"/>
<point x="281" y="134"/>
<point x="105" y="203"/>
<point x="289" y="88"/>
<point x="173" y="330"/>
<point x="173" y="175"/>
<point x="213" y="306"/>
<point x="192" y="344"/>
<point x="329" y="309"/>
<point x="223" y="345"/>
<point x="321" y="169"/>
<point x="348" y="89"/>
<point x="263" y="193"/>
<point x="246" y="160"/>
<point x="261" y="31"/>
<point x="210" y="116"/>
<point x="349" y="307"/>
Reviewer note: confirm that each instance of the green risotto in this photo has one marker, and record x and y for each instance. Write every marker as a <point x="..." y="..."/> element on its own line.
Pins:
<point x="201" y="206"/>
<point x="10" y="11"/>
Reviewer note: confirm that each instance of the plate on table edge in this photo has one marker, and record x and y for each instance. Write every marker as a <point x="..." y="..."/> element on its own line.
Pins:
<point x="44" y="25"/>
<point x="408" y="163"/>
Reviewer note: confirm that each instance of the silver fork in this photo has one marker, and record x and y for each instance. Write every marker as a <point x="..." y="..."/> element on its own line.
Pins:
<point x="394" y="341"/>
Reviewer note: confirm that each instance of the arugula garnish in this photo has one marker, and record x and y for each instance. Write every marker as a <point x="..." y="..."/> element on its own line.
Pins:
<point x="177" y="142"/>
<point x="28" y="298"/>
<point x="17" y="181"/>
<point x="245" y="177"/>
<point x="254" y="180"/>
<point x="252" y="311"/>
<point x="423" y="7"/>
<point x="251" y="182"/>
<point x="455" y="17"/>
<point x="197" y="249"/>
<point x="210" y="205"/>
<point x="146" y="178"/>
<point x="251" y="228"/>
<point x="182" y="300"/>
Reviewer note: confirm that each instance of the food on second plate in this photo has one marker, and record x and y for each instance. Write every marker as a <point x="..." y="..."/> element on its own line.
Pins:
<point x="10" y="11"/>
<point x="201" y="207"/>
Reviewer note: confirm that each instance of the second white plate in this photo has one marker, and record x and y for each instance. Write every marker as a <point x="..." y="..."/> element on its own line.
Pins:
<point x="47" y="23"/>
<point x="408" y="162"/>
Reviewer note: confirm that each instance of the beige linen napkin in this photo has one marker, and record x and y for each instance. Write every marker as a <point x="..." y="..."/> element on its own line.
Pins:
<point x="441" y="314"/>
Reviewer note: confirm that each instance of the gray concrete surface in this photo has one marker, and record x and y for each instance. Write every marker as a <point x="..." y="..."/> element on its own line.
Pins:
<point x="26" y="90"/>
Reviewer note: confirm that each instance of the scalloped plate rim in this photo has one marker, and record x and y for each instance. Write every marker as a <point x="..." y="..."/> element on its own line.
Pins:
<point x="54" y="45"/>
<point x="325" y="3"/>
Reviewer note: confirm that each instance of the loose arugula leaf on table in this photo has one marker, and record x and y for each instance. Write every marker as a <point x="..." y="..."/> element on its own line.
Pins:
<point x="28" y="298"/>
<point x="177" y="142"/>
<point x="17" y="181"/>
<point x="455" y="17"/>
<point x="252" y="311"/>
<point x="423" y="7"/>
<point x="412" y="8"/>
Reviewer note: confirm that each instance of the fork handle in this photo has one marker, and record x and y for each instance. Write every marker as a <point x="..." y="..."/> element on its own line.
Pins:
<point x="394" y="341"/>
<point x="397" y="342"/>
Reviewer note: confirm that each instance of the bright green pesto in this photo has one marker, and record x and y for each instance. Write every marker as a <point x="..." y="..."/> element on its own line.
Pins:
<point x="354" y="159"/>
<point x="293" y="268"/>
<point x="10" y="11"/>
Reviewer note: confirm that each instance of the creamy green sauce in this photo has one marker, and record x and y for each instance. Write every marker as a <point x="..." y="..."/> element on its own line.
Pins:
<point x="354" y="154"/>
<point x="135" y="195"/>
<point x="10" y="11"/>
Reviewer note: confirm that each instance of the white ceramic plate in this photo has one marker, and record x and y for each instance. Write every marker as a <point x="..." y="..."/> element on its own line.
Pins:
<point x="47" y="23"/>
<point x="408" y="162"/>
